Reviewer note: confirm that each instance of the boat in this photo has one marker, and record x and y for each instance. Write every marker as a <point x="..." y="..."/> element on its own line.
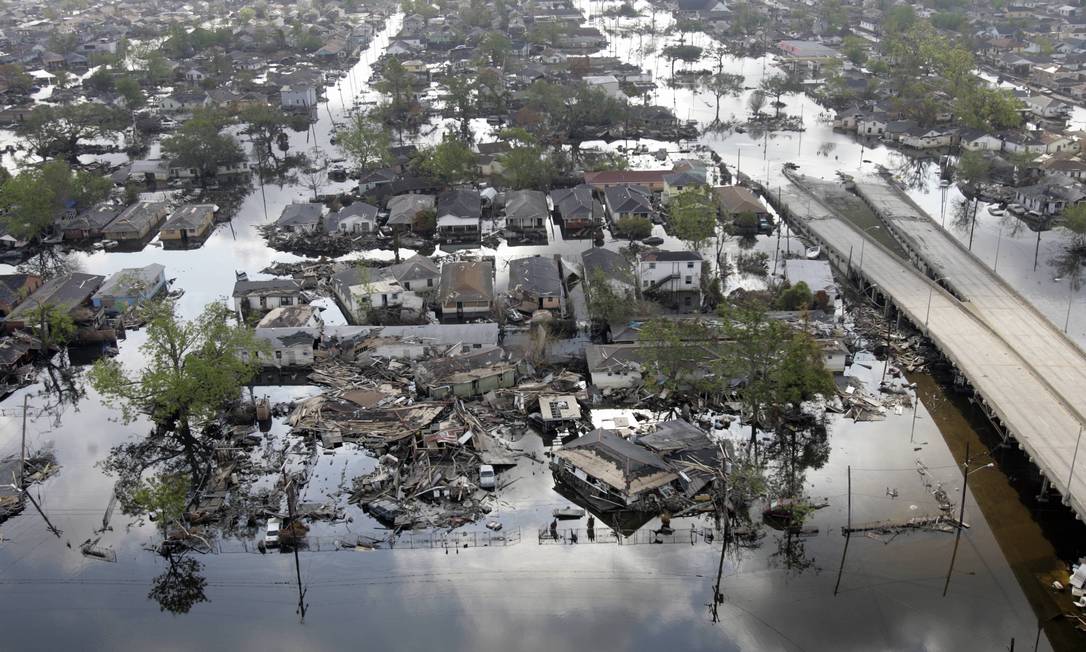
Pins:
<point x="565" y="513"/>
<point x="109" y="244"/>
<point x="995" y="210"/>
<point x="813" y="253"/>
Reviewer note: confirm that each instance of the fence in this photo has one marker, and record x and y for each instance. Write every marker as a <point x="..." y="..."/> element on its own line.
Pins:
<point x="569" y="536"/>
<point x="410" y="540"/>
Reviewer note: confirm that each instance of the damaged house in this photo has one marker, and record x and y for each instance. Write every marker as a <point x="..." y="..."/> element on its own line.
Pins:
<point x="69" y="293"/>
<point x="262" y="296"/>
<point x="469" y="374"/>
<point x="292" y="334"/>
<point x="466" y="290"/>
<point x="535" y="284"/>
<point x="612" y="473"/>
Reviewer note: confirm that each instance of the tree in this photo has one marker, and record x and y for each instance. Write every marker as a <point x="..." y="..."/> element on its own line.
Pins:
<point x="315" y="174"/>
<point x="756" y="102"/>
<point x="461" y="102"/>
<point x="778" y="85"/>
<point x="451" y="161"/>
<point x="797" y="297"/>
<point x="190" y="370"/>
<point x="1069" y="261"/>
<point x="100" y="81"/>
<point x="494" y="48"/>
<point x="721" y="84"/>
<point x="606" y="302"/>
<point x="527" y="166"/>
<point x="53" y="325"/>
<point x="364" y="141"/>
<point x="180" y="587"/>
<point x="35" y="197"/>
<point x="693" y="217"/>
<point x="201" y="145"/>
<point x="16" y="78"/>
<point x="164" y="497"/>
<point x="685" y="53"/>
<point x="973" y="167"/>
<point x="128" y="88"/>
<point x="52" y="131"/>
<point x="264" y="124"/>
<point x="633" y="227"/>
<point x="855" y="49"/>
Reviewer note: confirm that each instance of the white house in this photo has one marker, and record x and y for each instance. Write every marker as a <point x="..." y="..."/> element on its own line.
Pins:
<point x="676" y="273"/>
<point x="297" y="96"/>
<point x="360" y="289"/>
<point x="292" y="334"/>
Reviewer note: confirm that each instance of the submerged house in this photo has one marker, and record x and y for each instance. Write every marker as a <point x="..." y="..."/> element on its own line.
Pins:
<point x="137" y="221"/>
<point x="526" y="210"/>
<point x="292" y="334"/>
<point x="191" y="223"/>
<point x="262" y="296"/>
<point x="612" y="473"/>
<point x="130" y="287"/>
<point x="69" y="293"/>
<point x="577" y="207"/>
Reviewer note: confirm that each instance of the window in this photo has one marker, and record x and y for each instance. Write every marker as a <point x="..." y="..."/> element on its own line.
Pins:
<point x="652" y="265"/>
<point x="689" y="280"/>
<point x="690" y="265"/>
<point x="645" y="283"/>
<point x="278" y="355"/>
<point x="429" y="282"/>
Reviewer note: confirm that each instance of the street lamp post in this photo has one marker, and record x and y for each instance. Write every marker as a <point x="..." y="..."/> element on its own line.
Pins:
<point x="931" y="291"/>
<point x="999" y="240"/>
<point x="863" y="241"/>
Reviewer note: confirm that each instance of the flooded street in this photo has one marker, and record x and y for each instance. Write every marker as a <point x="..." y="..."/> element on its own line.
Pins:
<point x="818" y="590"/>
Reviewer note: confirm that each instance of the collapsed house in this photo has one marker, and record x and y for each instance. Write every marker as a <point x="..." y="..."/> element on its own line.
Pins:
<point x="612" y="473"/>
<point x="468" y="374"/>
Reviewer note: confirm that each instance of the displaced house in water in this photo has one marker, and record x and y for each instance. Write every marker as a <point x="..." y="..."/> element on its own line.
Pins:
<point x="130" y="287"/>
<point x="816" y="274"/>
<point x="612" y="473"/>
<point x="614" y="366"/>
<point x="262" y="296"/>
<point x="466" y="290"/>
<point x="468" y="374"/>
<point x="360" y="290"/>
<point x="188" y="224"/>
<point x="535" y="284"/>
<point x="137" y="222"/>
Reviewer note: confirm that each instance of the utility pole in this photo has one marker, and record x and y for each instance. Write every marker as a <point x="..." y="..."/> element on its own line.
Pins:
<point x="291" y="498"/>
<point x="961" y="519"/>
<point x="723" y="544"/>
<point x="22" y="448"/>
<point x="848" y="534"/>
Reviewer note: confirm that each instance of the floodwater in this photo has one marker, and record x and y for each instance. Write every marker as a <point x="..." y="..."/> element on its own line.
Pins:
<point x="816" y="592"/>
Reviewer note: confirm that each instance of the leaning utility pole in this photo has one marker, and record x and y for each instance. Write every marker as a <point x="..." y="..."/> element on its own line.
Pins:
<point x="22" y="447"/>
<point x="291" y="498"/>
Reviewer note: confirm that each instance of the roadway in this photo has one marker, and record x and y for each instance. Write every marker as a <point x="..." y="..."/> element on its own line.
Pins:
<point x="1043" y="422"/>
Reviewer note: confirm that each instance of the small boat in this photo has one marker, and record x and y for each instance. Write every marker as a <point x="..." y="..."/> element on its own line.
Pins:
<point x="813" y="253"/>
<point x="109" y="244"/>
<point x="175" y="294"/>
<point x="565" y="513"/>
<point x="997" y="211"/>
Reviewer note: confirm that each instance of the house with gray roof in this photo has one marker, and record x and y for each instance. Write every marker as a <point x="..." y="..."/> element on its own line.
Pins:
<point x="535" y="284"/>
<point x="137" y="221"/>
<point x="577" y="207"/>
<point x="404" y="209"/>
<point x="526" y="210"/>
<point x="466" y="290"/>
<point x="358" y="218"/>
<point x="130" y="287"/>
<point x="300" y="218"/>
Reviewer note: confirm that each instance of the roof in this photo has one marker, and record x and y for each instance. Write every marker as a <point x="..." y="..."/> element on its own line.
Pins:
<point x="96" y="218"/>
<point x="132" y="281"/>
<point x="738" y="199"/>
<point x="191" y="216"/>
<point x="288" y="317"/>
<point x="65" y="292"/>
<point x="619" y="463"/>
<point x="559" y="407"/>
<point x="414" y="268"/>
<point x="537" y="276"/>
<point x="661" y="255"/>
<point x="461" y="203"/>
<point x="525" y="204"/>
<point x="402" y="209"/>
<point x="673" y="436"/>
<point x="11" y="287"/>
<point x="300" y="214"/>
<point x="447" y="368"/>
<point x="604" y="357"/>
<point x="681" y="179"/>
<point x="625" y="198"/>
<point x="138" y="216"/>
<point x="806" y="49"/>
<point x="576" y="202"/>
<point x="625" y="176"/>
<point x="478" y="333"/>
<point x="467" y="281"/>
<point x="611" y="263"/>
<point x="817" y="274"/>
<point x="358" y="211"/>
<point x="273" y="286"/>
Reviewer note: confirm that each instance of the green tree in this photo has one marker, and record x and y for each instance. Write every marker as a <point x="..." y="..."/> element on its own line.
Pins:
<point x="365" y="142"/>
<point x="17" y="80"/>
<point x="855" y="49"/>
<point x="721" y="84"/>
<point x="527" y="167"/>
<point x="797" y="297"/>
<point x="190" y="370"/>
<point x="756" y="102"/>
<point x="33" y="199"/>
<point x="693" y="217"/>
<point x="461" y="102"/>
<point x="451" y="161"/>
<point x="264" y="124"/>
<point x="973" y="167"/>
<point x="633" y="227"/>
<point x="128" y="88"/>
<point x="100" y="81"/>
<point x="494" y="48"/>
<point x="606" y="302"/>
<point x="200" y="144"/>
<point x="52" y="131"/>
<point x="53" y="326"/>
<point x="778" y="85"/>
<point x="164" y="497"/>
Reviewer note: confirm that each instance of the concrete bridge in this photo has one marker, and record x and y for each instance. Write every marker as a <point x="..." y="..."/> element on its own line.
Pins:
<point x="1026" y="374"/>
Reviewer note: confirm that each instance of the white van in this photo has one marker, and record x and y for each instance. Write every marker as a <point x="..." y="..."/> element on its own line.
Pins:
<point x="487" y="479"/>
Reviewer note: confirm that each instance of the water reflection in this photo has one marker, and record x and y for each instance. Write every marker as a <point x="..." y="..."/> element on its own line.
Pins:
<point x="181" y="586"/>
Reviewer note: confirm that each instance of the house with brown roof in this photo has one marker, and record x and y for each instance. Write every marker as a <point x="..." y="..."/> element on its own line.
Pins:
<point x="651" y="179"/>
<point x="466" y="290"/>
